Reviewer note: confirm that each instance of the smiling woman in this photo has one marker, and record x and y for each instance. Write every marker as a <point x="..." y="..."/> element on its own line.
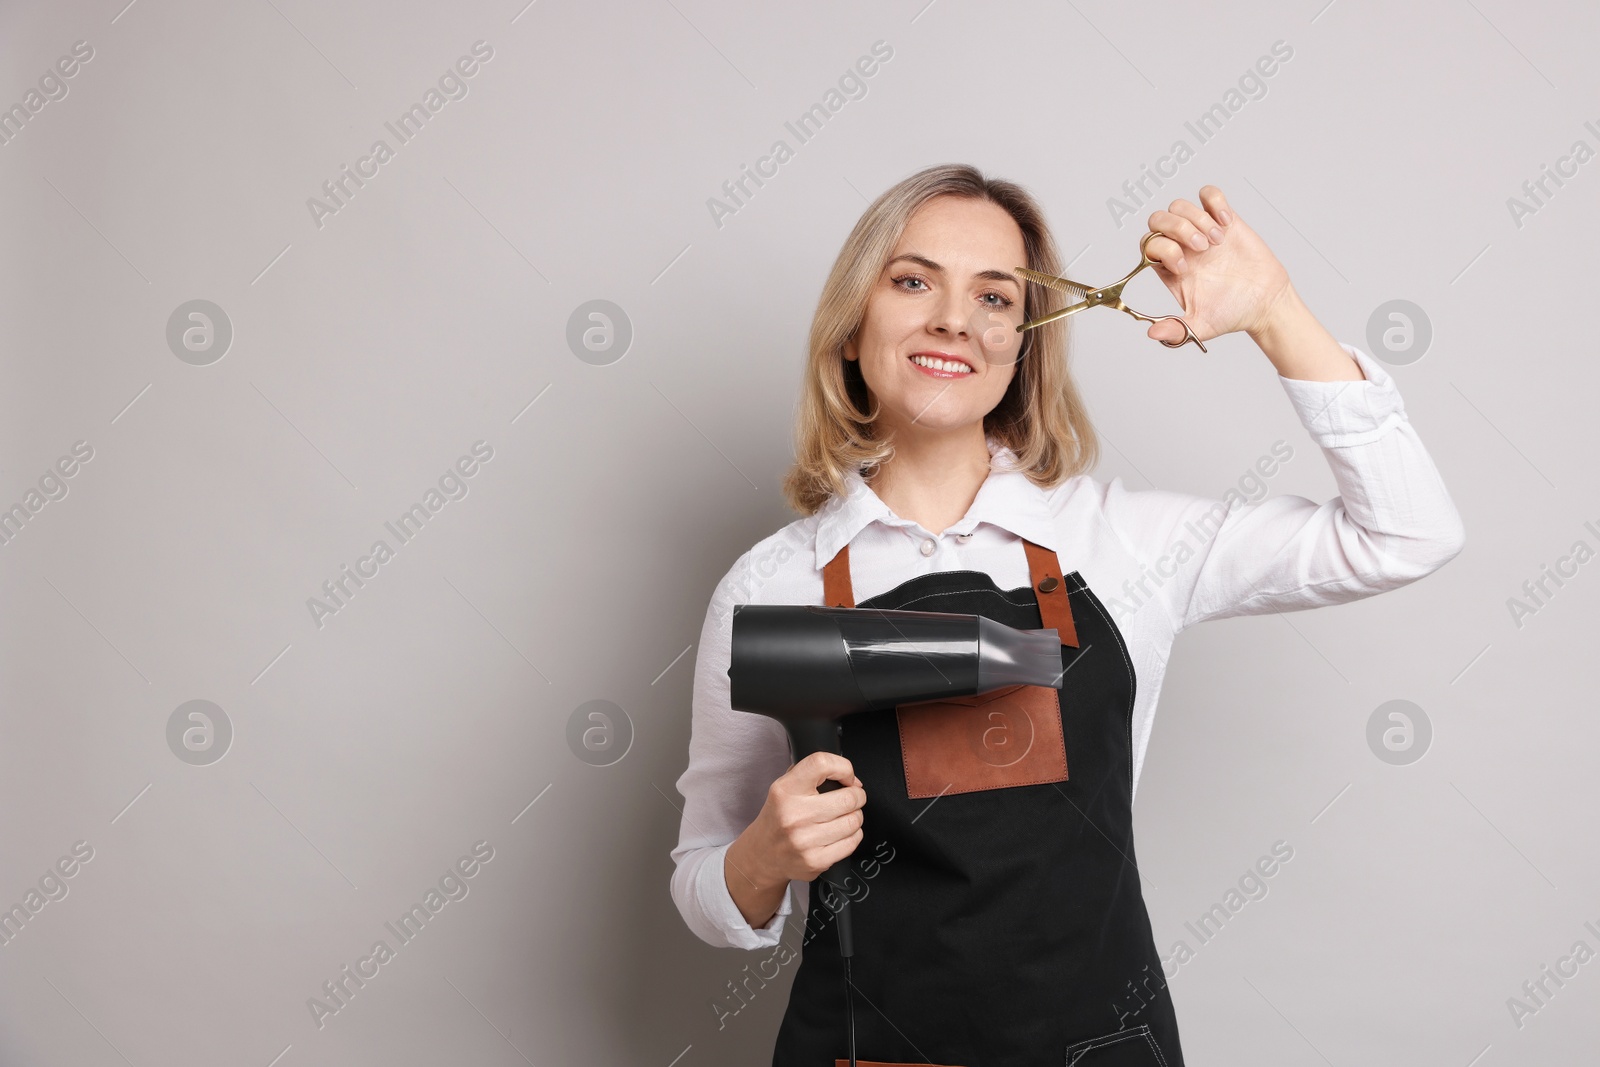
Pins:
<point x="945" y="244"/>
<point x="943" y="463"/>
<point x="925" y="366"/>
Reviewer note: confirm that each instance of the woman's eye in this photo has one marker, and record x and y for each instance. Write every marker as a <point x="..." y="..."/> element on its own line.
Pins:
<point x="914" y="284"/>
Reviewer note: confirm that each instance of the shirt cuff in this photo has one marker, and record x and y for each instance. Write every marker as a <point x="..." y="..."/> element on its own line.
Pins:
<point x="725" y="914"/>
<point x="1341" y="414"/>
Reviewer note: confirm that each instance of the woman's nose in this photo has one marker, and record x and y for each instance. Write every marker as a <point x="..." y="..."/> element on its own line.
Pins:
<point x="950" y="317"/>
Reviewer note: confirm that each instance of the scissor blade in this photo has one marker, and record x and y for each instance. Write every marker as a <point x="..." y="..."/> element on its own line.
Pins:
<point x="1050" y="281"/>
<point x="1062" y="285"/>
<point x="1054" y="315"/>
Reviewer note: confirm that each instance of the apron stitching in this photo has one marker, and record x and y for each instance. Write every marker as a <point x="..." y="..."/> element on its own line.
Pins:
<point x="1148" y="1036"/>
<point x="1142" y="1030"/>
<point x="1127" y="664"/>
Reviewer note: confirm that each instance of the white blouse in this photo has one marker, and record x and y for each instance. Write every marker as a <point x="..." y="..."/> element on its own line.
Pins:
<point x="1160" y="561"/>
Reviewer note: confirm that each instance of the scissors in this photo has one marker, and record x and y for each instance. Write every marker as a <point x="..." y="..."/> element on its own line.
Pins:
<point x="1107" y="296"/>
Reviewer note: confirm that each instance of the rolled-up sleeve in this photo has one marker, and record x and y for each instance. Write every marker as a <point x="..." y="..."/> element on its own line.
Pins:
<point x="734" y="756"/>
<point x="1391" y="523"/>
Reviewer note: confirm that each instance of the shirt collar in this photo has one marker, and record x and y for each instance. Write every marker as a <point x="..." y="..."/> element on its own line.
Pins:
<point x="1007" y="499"/>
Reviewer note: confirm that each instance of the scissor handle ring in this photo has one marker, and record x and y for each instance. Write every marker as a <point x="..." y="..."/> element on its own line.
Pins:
<point x="1146" y="261"/>
<point x="1189" y="335"/>
<point x="1144" y="257"/>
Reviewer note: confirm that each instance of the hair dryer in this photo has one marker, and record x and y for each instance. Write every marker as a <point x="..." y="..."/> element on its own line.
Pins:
<point x="809" y="666"/>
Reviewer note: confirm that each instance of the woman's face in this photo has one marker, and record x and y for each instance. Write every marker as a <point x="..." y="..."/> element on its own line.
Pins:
<point x="948" y="294"/>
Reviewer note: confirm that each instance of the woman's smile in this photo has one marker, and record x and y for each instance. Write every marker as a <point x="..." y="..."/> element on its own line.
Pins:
<point x="941" y="364"/>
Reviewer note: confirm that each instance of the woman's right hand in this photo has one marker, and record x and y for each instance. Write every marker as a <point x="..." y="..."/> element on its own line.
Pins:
<point x="798" y="834"/>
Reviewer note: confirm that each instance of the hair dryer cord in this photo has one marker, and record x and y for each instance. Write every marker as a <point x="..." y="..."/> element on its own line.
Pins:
<point x="850" y="1010"/>
<point x="833" y="880"/>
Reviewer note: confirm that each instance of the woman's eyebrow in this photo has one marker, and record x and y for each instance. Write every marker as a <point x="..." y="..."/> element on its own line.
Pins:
<point x="990" y="274"/>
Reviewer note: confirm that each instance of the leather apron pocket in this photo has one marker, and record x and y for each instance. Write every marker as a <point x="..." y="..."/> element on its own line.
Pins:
<point x="1133" y="1047"/>
<point x="1006" y="737"/>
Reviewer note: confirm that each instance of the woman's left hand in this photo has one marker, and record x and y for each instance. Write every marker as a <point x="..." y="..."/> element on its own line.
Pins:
<point x="1231" y="283"/>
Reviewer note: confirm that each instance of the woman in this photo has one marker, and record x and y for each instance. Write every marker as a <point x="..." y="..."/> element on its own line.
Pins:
<point x="942" y="465"/>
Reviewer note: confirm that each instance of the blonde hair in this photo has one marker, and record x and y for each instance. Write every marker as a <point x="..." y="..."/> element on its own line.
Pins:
<point x="1041" y="417"/>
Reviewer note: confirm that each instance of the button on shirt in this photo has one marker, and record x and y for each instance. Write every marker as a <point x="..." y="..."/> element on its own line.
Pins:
<point x="1159" y="561"/>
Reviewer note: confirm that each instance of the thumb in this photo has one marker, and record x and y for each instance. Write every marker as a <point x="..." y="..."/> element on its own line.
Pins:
<point x="821" y="772"/>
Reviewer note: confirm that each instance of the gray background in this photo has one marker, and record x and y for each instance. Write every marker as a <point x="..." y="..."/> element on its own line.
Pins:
<point x="431" y="312"/>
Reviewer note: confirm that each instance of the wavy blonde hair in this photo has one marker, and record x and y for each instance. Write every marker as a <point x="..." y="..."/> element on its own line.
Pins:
<point x="1041" y="417"/>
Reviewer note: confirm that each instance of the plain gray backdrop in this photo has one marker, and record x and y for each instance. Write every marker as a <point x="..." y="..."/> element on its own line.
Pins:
<point x="243" y="451"/>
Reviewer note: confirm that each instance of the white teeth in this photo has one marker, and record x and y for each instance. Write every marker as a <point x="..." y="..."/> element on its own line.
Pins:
<point x="947" y="365"/>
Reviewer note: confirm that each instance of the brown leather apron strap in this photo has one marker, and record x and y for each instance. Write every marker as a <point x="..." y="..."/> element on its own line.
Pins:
<point x="836" y="590"/>
<point x="1048" y="581"/>
<point x="1049" y="585"/>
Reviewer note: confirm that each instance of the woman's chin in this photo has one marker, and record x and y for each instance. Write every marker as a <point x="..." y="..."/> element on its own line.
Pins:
<point x="931" y="420"/>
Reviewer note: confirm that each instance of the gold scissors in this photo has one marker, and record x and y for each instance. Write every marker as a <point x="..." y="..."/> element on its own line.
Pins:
<point x="1107" y="296"/>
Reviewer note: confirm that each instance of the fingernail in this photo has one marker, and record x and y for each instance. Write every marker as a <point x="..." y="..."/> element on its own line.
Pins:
<point x="1224" y="216"/>
<point x="1198" y="240"/>
<point x="1216" y="235"/>
<point x="1182" y="263"/>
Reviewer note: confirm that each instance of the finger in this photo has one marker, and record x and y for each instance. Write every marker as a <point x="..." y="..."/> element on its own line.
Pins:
<point x="1186" y="224"/>
<point x="838" y="830"/>
<point x="1199" y="215"/>
<point x="823" y="834"/>
<point x="1165" y="330"/>
<point x="1167" y="252"/>
<point x="835" y="851"/>
<point x="849" y="845"/>
<point x="819" y="767"/>
<point x="1216" y="204"/>
<point x="839" y="804"/>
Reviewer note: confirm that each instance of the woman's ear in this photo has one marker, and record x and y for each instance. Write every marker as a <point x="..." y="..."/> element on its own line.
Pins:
<point x="848" y="349"/>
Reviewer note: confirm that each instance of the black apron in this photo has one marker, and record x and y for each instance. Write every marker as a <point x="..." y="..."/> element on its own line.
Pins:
<point x="1002" y="926"/>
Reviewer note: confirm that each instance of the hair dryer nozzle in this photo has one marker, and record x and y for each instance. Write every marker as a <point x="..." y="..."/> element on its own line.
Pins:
<point x="795" y="662"/>
<point x="1008" y="656"/>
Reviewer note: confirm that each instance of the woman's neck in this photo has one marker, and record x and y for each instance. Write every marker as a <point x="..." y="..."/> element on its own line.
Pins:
<point x="933" y="478"/>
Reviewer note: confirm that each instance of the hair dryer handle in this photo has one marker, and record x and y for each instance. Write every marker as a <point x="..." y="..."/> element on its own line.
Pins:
<point x="822" y="735"/>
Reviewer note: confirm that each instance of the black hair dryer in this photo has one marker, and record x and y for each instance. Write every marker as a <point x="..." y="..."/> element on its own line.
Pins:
<point x="809" y="666"/>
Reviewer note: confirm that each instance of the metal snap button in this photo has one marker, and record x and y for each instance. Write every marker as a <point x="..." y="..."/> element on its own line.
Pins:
<point x="1048" y="584"/>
